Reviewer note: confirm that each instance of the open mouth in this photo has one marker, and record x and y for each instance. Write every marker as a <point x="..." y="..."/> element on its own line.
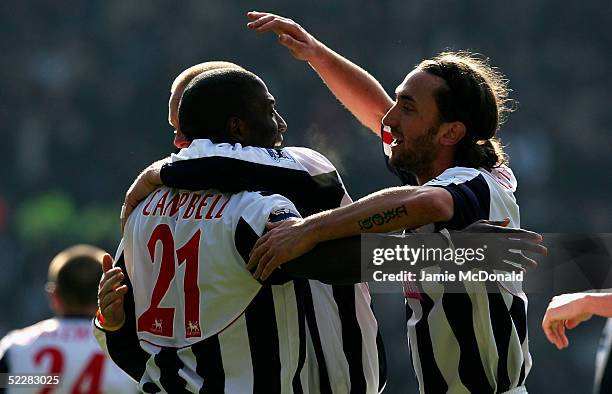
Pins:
<point x="396" y="142"/>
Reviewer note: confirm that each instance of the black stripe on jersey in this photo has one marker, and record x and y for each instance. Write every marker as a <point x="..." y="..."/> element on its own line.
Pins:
<point x="300" y="289"/>
<point x="244" y="240"/>
<point x="150" y="388"/>
<point x="501" y="324"/>
<point x="210" y="365"/>
<point x="311" y="320"/>
<point x="472" y="202"/>
<point x="351" y="335"/>
<point x="458" y="311"/>
<point x="433" y="381"/>
<point x="311" y="194"/>
<point x="519" y="317"/>
<point x="123" y="345"/>
<point x="263" y="342"/>
<point x="169" y="365"/>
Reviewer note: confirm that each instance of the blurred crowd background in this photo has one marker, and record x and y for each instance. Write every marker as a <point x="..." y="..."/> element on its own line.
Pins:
<point x="83" y="103"/>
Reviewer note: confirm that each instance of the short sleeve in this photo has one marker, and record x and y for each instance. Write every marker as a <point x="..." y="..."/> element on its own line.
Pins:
<point x="471" y="197"/>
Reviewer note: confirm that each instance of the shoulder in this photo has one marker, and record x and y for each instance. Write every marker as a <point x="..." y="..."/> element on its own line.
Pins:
<point x="455" y="175"/>
<point x="28" y="335"/>
<point x="314" y="161"/>
<point x="502" y="177"/>
<point x="256" y="208"/>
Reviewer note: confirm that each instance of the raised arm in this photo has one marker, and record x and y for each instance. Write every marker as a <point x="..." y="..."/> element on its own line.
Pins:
<point x="356" y="89"/>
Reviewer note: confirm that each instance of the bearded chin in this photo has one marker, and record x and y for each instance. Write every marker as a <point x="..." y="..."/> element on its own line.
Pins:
<point x="417" y="163"/>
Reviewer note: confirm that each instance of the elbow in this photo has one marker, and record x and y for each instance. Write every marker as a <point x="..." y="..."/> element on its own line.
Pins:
<point x="436" y="204"/>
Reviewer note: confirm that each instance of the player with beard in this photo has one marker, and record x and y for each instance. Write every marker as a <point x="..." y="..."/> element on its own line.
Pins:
<point x="441" y="127"/>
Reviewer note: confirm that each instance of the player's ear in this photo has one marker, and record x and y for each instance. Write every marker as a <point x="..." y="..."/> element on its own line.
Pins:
<point x="54" y="301"/>
<point x="237" y="129"/>
<point x="452" y="133"/>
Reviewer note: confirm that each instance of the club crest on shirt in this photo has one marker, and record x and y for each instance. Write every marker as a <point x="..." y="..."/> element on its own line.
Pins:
<point x="281" y="214"/>
<point x="279" y="155"/>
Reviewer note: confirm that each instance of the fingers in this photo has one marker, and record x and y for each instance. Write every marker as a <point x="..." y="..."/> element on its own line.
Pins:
<point x="107" y="262"/>
<point x="521" y="259"/>
<point x="525" y="246"/>
<point x="278" y="26"/>
<point x="291" y="43"/>
<point x="263" y="262"/>
<point x="550" y="331"/>
<point x="113" y="296"/>
<point x="258" y="251"/>
<point x="271" y="225"/>
<point x="110" y="281"/>
<point x="572" y="323"/>
<point x="258" y="22"/>
<point x="252" y="15"/>
<point x="269" y="268"/>
<point x="517" y="233"/>
<point x="562" y="338"/>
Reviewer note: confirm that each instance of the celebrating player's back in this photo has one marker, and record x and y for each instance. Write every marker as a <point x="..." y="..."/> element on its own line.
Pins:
<point x="64" y="345"/>
<point x="193" y="317"/>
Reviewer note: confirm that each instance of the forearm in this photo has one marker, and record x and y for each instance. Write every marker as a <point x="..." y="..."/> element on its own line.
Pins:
<point x="335" y="262"/>
<point x="599" y="304"/>
<point x="381" y="212"/>
<point x="338" y="261"/>
<point x="356" y="89"/>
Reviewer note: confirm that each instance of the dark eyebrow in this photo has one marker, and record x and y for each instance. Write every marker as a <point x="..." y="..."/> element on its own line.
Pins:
<point x="406" y="97"/>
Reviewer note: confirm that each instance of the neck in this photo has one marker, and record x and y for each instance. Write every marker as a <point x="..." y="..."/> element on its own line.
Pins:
<point x="441" y="164"/>
<point x="77" y="312"/>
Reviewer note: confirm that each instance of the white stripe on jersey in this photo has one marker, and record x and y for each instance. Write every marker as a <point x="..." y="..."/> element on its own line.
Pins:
<point x="233" y="344"/>
<point x="457" y="355"/>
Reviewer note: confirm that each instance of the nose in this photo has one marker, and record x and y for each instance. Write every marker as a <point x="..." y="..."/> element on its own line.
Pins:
<point x="282" y="125"/>
<point x="390" y="119"/>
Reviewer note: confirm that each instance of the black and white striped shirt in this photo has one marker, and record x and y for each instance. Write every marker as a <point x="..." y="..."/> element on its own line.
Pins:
<point x="207" y="325"/>
<point x="473" y="341"/>
<point x="476" y="341"/>
<point x="344" y="351"/>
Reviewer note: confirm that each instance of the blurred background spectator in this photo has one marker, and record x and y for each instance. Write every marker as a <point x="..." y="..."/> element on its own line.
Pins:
<point x="84" y="94"/>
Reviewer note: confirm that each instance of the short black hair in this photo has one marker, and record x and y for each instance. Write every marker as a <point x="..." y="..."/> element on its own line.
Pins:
<point x="211" y="98"/>
<point x="75" y="274"/>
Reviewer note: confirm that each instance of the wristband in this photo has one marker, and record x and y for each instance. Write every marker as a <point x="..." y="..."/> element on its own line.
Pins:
<point x="103" y="323"/>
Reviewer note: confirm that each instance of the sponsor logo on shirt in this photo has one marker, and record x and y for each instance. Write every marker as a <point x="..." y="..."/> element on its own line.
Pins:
<point x="279" y="155"/>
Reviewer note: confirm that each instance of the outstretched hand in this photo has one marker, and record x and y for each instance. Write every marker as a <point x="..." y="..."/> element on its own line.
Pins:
<point x="301" y="44"/>
<point x="111" y="294"/>
<point x="505" y="246"/>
